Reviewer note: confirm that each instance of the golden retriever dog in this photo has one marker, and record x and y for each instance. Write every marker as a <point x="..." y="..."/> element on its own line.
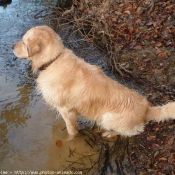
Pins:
<point x="75" y="87"/>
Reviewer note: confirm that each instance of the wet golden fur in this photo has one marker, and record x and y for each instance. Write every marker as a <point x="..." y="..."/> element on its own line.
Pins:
<point x="74" y="87"/>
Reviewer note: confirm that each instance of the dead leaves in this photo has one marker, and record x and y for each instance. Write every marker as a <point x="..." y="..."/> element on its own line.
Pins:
<point x="59" y="143"/>
<point x="120" y="26"/>
<point x="155" y="151"/>
<point x="139" y="11"/>
<point x="171" y="159"/>
<point x="131" y="21"/>
<point x="160" y="53"/>
<point x="116" y="26"/>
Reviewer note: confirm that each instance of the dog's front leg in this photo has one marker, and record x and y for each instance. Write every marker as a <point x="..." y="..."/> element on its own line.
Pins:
<point x="70" y="118"/>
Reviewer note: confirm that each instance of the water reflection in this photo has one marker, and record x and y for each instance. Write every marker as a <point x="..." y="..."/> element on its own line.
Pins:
<point x="23" y="115"/>
<point x="13" y="114"/>
<point x="24" y="130"/>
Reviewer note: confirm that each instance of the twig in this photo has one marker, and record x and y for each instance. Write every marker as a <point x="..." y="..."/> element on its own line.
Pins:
<point x="88" y="143"/>
<point x="103" y="159"/>
<point x="91" y="167"/>
<point x="116" y="67"/>
<point x="73" y="162"/>
<point x="71" y="152"/>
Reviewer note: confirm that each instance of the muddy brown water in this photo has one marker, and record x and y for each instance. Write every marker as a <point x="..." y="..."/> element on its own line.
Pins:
<point x="29" y="130"/>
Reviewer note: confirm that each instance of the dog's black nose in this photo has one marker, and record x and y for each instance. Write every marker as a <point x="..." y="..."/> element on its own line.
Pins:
<point x="13" y="46"/>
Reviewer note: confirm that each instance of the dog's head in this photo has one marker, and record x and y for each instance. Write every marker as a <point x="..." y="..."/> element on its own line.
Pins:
<point x="40" y="45"/>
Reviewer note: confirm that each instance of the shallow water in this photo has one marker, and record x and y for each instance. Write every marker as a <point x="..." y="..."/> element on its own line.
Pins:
<point x="29" y="130"/>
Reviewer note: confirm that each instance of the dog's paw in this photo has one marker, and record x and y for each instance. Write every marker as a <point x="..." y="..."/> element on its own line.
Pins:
<point x="109" y="134"/>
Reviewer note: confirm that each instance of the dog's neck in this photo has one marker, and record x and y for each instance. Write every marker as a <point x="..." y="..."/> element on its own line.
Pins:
<point x="46" y="65"/>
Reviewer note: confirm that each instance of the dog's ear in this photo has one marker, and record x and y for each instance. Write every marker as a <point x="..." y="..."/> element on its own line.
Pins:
<point x="32" y="50"/>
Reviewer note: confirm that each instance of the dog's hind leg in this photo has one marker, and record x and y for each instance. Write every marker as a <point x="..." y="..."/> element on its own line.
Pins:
<point x="70" y="118"/>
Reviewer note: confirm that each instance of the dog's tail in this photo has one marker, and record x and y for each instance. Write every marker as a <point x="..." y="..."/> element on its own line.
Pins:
<point x="161" y="113"/>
